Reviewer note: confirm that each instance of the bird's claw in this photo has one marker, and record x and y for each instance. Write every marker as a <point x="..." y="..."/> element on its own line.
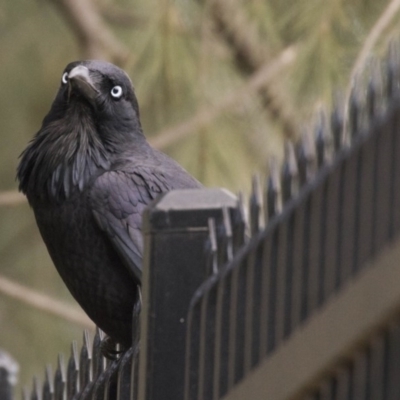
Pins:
<point x="110" y="349"/>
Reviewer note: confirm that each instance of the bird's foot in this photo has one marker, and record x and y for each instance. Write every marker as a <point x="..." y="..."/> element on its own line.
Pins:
<point x="111" y="349"/>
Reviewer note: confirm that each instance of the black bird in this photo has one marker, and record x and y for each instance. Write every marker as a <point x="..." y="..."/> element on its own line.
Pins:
<point x="88" y="174"/>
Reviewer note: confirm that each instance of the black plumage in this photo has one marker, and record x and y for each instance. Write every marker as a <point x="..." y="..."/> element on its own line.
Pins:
<point x="88" y="174"/>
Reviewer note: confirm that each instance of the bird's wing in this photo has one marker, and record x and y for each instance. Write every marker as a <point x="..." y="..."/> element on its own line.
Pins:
<point x="118" y="199"/>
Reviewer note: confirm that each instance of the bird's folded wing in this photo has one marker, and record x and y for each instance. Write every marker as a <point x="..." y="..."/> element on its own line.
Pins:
<point x="118" y="200"/>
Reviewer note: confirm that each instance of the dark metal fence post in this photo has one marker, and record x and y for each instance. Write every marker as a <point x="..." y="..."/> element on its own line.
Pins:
<point x="176" y="231"/>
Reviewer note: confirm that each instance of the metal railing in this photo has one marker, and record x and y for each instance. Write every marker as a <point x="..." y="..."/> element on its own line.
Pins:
<point x="341" y="219"/>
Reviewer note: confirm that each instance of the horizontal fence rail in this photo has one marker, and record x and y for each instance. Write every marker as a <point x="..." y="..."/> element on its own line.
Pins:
<point x="373" y="373"/>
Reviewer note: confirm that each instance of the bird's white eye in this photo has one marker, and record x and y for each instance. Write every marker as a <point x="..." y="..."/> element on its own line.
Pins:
<point x="116" y="92"/>
<point x="64" y="78"/>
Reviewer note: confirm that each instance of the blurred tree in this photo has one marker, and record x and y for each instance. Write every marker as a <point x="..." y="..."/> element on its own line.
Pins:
<point x="221" y="85"/>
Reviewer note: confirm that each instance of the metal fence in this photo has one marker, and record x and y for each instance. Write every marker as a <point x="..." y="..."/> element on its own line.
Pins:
<point x="341" y="219"/>
<point x="221" y="295"/>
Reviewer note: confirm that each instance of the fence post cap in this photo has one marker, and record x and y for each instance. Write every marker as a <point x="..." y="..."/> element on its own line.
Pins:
<point x="186" y="209"/>
<point x="195" y="199"/>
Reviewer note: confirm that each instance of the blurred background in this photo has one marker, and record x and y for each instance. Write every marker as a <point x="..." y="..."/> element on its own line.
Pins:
<point x="221" y="84"/>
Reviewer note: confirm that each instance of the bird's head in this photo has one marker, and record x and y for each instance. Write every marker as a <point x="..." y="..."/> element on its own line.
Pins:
<point x="93" y="120"/>
<point x="102" y="93"/>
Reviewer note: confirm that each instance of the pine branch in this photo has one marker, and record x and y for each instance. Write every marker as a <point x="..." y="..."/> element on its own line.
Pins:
<point x="11" y="198"/>
<point x="251" y="53"/>
<point x="208" y="114"/>
<point x="380" y="25"/>
<point x="95" y="38"/>
<point x="233" y="25"/>
<point x="120" y="16"/>
<point x="42" y="302"/>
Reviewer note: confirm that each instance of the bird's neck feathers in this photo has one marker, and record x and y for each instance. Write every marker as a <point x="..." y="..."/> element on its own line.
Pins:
<point x="64" y="156"/>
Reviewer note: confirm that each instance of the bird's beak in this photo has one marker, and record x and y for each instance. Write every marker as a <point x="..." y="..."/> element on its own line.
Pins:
<point x="80" y="81"/>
